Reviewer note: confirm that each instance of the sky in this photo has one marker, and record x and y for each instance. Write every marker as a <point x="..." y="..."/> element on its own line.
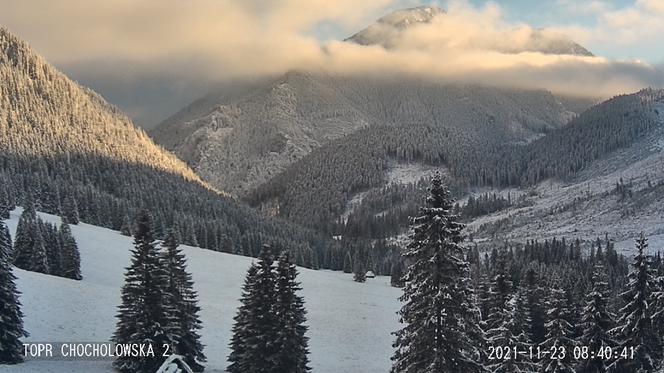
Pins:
<point x="153" y="57"/>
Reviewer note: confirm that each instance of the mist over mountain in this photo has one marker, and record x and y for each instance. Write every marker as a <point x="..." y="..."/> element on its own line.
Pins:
<point x="239" y="142"/>
<point x="388" y="31"/>
<point x="60" y="141"/>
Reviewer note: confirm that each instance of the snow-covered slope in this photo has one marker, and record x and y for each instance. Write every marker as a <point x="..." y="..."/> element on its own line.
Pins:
<point x="350" y="323"/>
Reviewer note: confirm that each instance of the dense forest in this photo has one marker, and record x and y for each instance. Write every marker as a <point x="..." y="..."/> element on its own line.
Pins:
<point x="314" y="191"/>
<point x="64" y="145"/>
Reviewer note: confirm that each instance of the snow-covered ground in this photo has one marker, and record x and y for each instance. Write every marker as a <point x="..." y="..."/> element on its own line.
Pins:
<point x="350" y="323"/>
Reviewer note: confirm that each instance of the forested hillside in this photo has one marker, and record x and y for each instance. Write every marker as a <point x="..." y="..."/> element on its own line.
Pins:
<point x="62" y="142"/>
<point x="314" y="191"/>
<point x="244" y="140"/>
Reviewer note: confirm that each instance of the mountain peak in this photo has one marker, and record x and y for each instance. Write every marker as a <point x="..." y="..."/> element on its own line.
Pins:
<point x="387" y="32"/>
<point x="395" y="21"/>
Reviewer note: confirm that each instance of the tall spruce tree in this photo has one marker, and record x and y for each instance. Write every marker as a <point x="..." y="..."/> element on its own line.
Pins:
<point x="4" y="204"/>
<point x="292" y="342"/>
<point x="237" y="362"/>
<point x="438" y="311"/>
<point x="559" y="334"/>
<point x="6" y="239"/>
<point x="596" y="324"/>
<point x="261" y="334"/>
<point x="71" y="256"/>
<point x="500" y="293"/>
<point x="635" y="329"/>
<point x="29" y="247"/>
<point x="180" y="287"/>
<point x="70" y="210"/>
<point x="535" y="306"/>
<point x="11" y="317"/>
<point x="146" y="313"/>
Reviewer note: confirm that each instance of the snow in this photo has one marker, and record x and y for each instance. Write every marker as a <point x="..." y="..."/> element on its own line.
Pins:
<point x="350" y="323"/>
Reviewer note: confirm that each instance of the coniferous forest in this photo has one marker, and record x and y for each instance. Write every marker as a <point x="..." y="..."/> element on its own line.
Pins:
<point x="318" y="216"/>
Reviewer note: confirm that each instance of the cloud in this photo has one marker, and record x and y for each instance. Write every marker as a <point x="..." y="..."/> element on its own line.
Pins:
<point x="193" y="43"/>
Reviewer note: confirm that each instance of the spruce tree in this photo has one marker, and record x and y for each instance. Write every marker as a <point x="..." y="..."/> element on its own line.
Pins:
<point x="499" y="294"/>
<point x="512" y="334"/>
<point x="146" y="313"/>
<point x="396" y="275"/>
<point x="11" y="317"/>
<point x="535" y="307"/>
<point x="6" y="239"/>
<point x="360" y="271"/>
<point x="4" y="204"/>
<point x="635" y="329"/>
<point x="559" y="334"/>
<point x="71" y="256"/>
<point x="259" y="348"/>
<point x="348" y="263"/>
<point x="237" y="363"/>
<point x="29" y="247"/>
<point x="292" y="342"/>
<point x="180" y="287"/>
<point x="70" y="210"/>
<point x="440" y="332"/>
<point x="596" y="324"/>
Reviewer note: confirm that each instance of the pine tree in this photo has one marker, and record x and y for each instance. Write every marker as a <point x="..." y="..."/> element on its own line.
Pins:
<point x="126" y="227"/>
<point x="11" y="317"/>
<point x="29" y="248"/>
<point x="292" y="342"/>
<point x="512" y="334"/>
<point x="360" y="271"/>
<point x="254" y="343"/>
<point x="534" y="306"/>
<point x="348" y="263"/>
<point x="635" y="327"/>
<point x="237" y="363"/>
<point x="70" y="210"/>
<point x="4" y="204"/>
<point x="71" y="256"/>
<point x="145" y="315"/>
<point x="559" y="334"/>
<point x="596" y="324"/>
<point x="438" y="312"/>
<point x="6" y="239"/>
<point x="396" y="275"/>
<point x="180" y="286"/>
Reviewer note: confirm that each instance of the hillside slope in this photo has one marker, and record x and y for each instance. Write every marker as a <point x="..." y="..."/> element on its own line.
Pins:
<point x="350" y="323"/>
<point x="59" y="140"/>
<point x="243" y="141"/>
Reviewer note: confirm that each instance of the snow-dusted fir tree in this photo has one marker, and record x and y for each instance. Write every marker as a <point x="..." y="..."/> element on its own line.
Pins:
<point x="6" y="239"/>
<point x="500" y="292"/>
<point x="240" y="327"/>
<point x="438" y="312"/>
<point x="29" y="248"/>
<point x="511" y="334"/>
<point x="396" y="274"/>
<point x="70" y="210"/>
<point x="4" y="204"/>
<point x="70" y="256"/>
<point x="146" y="313"/>
<point x="559" y="334"/>
<point x="292" y="342"/>
<point x="634" y="326"/>
<point x="11" y="318"/>
<point x="258" y="349"/>
<point x="360" y="271"/>
<point x="180" y="287"/>
<point x="348" y="263"/>
<point x="535" y="306"/>
<point x="596" y="324"/>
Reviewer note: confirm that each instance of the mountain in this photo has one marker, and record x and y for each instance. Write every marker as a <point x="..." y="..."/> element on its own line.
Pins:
<point x="599" y="174"/>
<point x="59" y="140"/>
<point x="387" y="32"/>
<point x="240" y="142"/>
